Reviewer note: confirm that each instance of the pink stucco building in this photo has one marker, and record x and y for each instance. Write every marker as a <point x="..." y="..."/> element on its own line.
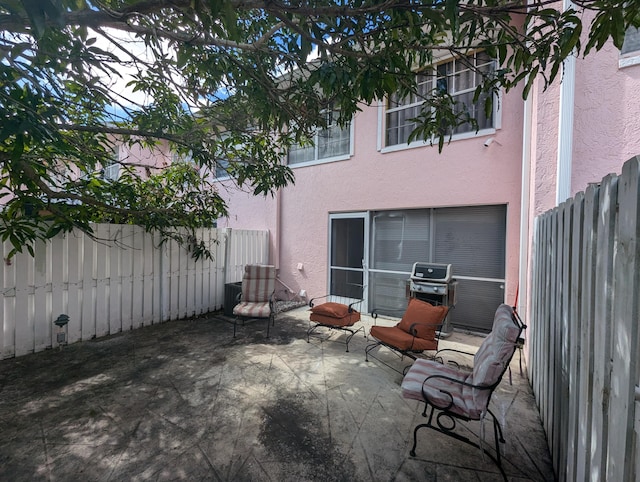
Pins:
<point x="366" y="205"/>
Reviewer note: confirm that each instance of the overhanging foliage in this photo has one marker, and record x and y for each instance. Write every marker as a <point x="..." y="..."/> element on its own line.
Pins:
<point x="223" y="80"/>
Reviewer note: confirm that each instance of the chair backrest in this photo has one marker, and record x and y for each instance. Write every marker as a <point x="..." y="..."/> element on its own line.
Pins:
<point x="258" y="282"/>
<point x="495" y="353"/>
<point x="422" y="313"/>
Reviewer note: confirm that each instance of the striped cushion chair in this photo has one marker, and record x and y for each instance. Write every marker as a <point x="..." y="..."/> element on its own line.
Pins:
<point x="462" y="395"/>
<point x="257" y="297"/>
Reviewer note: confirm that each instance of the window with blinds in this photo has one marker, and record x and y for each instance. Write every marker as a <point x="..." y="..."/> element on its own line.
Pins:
<point x="472" y="239"/>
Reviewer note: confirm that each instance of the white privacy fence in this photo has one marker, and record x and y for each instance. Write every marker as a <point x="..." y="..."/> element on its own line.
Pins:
<point x="108" y="287"/>
<point x="585" y="341"/>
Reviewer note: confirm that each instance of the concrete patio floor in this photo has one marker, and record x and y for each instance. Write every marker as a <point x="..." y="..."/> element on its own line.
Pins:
<point x="184" y="400"/>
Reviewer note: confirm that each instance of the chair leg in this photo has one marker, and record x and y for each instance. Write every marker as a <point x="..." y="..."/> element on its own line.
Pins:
<point x="497" y="459"/>
<point x="351" y="335"/>
<point x="368" y="348"/>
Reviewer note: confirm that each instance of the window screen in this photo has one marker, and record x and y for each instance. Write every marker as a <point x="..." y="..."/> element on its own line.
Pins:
<point x="471" y="238"/>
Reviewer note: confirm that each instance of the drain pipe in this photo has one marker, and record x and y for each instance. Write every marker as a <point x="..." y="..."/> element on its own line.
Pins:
<point x="525" y="206"/>
<point x="227" y="255"/>
<point x="565" y="125"/>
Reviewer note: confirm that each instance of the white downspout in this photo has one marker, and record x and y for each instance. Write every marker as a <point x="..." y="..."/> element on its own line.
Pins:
<point x="565" y="127"/>
<point x="276" y="247"/>
<point x="525" y="207"/>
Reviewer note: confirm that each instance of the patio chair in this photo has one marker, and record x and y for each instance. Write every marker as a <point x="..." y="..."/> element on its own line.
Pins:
<point x="456" y="394"/>
<point x="257" y="296"/>
<point x="335" y="315"/>
<point x="417" y="332"/>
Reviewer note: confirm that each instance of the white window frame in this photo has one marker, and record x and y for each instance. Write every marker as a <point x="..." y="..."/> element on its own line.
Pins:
<point x="629" y="59"/>
<point x="315" y="160"/>
<point x="383" y="110"/>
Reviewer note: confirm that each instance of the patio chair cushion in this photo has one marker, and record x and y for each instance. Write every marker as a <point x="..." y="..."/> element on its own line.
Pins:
<point x="258" y="282"/>
<point x="401" y="340"/>
<point x="331" y="309"/>
<point x="334" y="314"/>
<point x="427" y="315"/>
<point x="443" y="393"/>
<point x="493" y="356"/>
<point x="251" y="309"/>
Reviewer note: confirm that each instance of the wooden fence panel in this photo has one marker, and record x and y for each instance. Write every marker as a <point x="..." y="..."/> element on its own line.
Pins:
<point x="59" y="282"/>
<point x="74" y="292"/>
<point x="137" y="276"/>
<point x="42" y="323"/>
<point x="126" y="277"/>
<point x="149" y="281"/>
<point x="102" y="280"/>
<point x="626" y="313"/>
<point x="115" y="285"/>
<point x="9" y="298"/>
<point x="24" y="322"/>
<point x="575" y="324"/>
<point x="585" y="340"/>
<point x="602" y="328"/>
<point x="589" y="231"/>
<point x="106" y="287"/>
<point x="88" y="261"/>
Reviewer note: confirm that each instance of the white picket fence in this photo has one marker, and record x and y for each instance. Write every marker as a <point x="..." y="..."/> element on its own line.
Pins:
<point x="584" y="340"/>
<point x="109" y="287"/>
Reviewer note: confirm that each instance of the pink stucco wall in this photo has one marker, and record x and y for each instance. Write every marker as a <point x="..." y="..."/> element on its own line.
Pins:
<point x="606" y="125"/>
<point x="465" y="173"/>
<point x="606" y="129"/>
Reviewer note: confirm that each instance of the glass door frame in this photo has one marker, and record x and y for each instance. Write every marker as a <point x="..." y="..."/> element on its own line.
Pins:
<point x="364" y="269"/>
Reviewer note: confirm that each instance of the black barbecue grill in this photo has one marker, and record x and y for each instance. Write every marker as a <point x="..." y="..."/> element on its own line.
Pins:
<point x="433" y="282"/>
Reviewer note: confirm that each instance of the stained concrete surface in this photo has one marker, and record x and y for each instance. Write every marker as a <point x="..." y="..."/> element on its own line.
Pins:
<point x="184" y="400"/>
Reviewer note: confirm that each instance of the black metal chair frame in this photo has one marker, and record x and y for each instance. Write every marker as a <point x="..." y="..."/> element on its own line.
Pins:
<point x="348" y="329"/>
<point x="445" y="415"/>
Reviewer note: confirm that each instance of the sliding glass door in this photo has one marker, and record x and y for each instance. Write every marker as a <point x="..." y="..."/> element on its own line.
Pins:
<point x="347" y="255"/>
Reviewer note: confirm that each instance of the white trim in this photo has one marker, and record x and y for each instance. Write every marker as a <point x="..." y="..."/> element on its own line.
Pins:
<point x="455" y="137"/>
<point x="344" y="157"/>
<point x="379" y="143"/>
<point x="629" y="60"/>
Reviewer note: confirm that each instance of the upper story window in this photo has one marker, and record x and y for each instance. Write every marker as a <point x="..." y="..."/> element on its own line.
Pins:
<point x="111" y="168"/>
<point x="630" y="52"/>
<point x="459" y="78"/>
<point x="330" y="143"/>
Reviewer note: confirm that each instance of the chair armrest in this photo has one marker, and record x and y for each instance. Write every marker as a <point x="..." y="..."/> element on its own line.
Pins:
<point x="453" y="380"/>
<point x="455" y="351"/>
<point x="419" y="329"/>
<point x="312" y="300"/>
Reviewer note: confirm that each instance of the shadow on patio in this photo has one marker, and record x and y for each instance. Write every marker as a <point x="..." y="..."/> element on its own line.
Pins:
<point x="184" y="400"/>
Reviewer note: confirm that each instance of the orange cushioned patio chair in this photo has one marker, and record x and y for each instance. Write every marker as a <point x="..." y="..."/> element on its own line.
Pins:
<point x="334" y="316"/>
<point x="257" y="297"/>
<point x="417" y="332"/>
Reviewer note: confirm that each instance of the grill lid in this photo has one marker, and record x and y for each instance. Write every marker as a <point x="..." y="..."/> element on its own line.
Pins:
<point x="440" y="273"/>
